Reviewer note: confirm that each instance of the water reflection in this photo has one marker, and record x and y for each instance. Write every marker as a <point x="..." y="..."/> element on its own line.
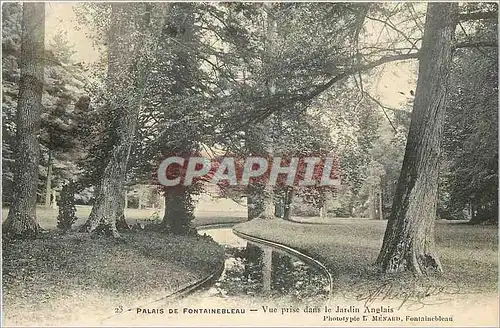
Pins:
<point x="252" y="269"/>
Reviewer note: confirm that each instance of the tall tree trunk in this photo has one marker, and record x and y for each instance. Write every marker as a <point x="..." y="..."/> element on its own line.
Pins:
<point x="140" y="201"/>
<point x="351" y="206"/>
<point x="290" y="194"/>
<point x="260" y="197"/>
<point x="127" y="73"/>
<point x="48" y="182"/>
<point x="494" y="209"/>
<point x="473" y="209"/>
<point x="324" y="210"/>
<point x="126" y="198"/>
<point x="267" y="269"/>
<point x="372" y="203"/>
<point x="260" y="138"/>
<point x="380" y="202"/>
<point x="179" y="202"/>
<point x="153" y="197"/>
<point x="53" y="200"/>
<point x="279" y="205"/>
<point x="409" y="237"/>
<point x="260" y="201"/>
<point x="21" y="220"/>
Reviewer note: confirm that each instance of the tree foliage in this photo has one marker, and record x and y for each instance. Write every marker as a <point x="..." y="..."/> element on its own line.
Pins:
<point x="470" y="180"/>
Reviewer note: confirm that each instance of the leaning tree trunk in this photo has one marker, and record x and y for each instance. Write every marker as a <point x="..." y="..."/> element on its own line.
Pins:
<point x="126" y="80"/>
<point x="21" y="220"/>
<point x="409" y="237"/>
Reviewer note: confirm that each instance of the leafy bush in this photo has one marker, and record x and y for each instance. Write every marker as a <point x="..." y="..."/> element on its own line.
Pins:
<point x="305" y="210"/>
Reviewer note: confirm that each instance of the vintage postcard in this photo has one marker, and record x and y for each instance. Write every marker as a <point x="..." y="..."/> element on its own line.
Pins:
<point x="250" y="164"/>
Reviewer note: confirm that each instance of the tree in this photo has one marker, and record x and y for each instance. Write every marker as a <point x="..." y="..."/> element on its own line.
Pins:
<point x="175" y="101"/>
<point x="60" y="147"/>
<point x="374" y="185"/>
<point x="409" y="238"/>
<point x="260" y="137"/>
<point x="67" y="208"/>
<point x="470" y="176"/>
<point x="11" y="49"/>
<point x="388" y="150"/>
<point x="63" y="84"/>
<point x="129" y="35"/>
<point x="61" y="47"/>
<point x="21" y="220"/>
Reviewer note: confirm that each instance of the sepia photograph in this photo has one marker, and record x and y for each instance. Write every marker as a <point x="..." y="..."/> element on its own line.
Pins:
<point x="252" y="164"/>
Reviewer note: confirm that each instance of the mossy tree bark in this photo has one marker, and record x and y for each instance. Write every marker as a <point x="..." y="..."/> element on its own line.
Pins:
<point x="21" y="221"/>
<point x="408" y="244"/>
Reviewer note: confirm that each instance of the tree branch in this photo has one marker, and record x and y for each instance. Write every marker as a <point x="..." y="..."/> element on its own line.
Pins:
<point x="471" y="42"/>
<point x="360" y="68"/>
<point x="280" y="101"/>
<point x="383" y="109"/>
<point x="266" y="106"/>
<point x="478" y="15"/>
<point x="475" y="44"/>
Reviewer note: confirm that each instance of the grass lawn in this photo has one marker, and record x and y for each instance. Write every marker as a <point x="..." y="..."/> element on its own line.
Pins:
<point x="47" y="217"/>
<point x="72" y="279"/>
<point x="349" y="247"/>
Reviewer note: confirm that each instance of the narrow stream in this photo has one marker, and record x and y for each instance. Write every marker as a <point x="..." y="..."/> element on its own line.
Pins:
<point x="254" y="276"/>
<point x="253" y="270"/>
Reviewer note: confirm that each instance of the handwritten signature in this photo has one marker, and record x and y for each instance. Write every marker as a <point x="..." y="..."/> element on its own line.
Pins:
<point x="413" y="298"/>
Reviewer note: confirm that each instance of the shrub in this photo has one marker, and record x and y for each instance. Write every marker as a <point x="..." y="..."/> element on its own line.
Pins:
<point x="67" y="208"/>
